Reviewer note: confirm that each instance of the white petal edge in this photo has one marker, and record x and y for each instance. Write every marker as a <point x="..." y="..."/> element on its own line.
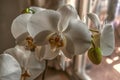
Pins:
<point x="19" y="25"/>
<point x="36" y="9"/>
<point x="9" y="68"/>
<point x="43" y="20"/>
<point x="80" y="36"/>
<point x="67" y="12"/>
<point x="107" y="41"/>
<point x="35" y="67"/>
<point x="20" y="54"/>
<point x="95" y="19"/>
<point x="62" y="61"/>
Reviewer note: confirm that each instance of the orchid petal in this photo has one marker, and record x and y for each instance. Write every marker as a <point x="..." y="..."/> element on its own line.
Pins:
<point x="41" y="37"/>
<point x="39" y="53"/>
<point x="49" y="54"/>
<point x="63" y="61"/>
<point x="35" y="67"/>
<point x="20" y="54"/>
<point x="107" y="41"/>
<point x="9" y="68"/>
<point x="27" y="61"/>
<point x="95" y="19"/>
<point x="42" y="21"/>
<point x="80" y="35"/>
<point x="68" y="49"/>
<point x="21" y="39"/>
<point x="19" y="25"/>
<point x="67" y="12"/>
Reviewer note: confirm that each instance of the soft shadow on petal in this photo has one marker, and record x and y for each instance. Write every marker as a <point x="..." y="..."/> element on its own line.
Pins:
<point x="21" y="39"/>
<point x="68" y="49"/>
<point x="45" y="53"/>
<point x="95" y="19"/>
<point x="43" y="20"/>
<point x="9" y="68"/>
<point x="49" y="54"/>
<point x="107" y="41"/>
<point x="67" y="12"/>
<point x="35" y="67"/>
<point x="39" y="53"/>
<point x="41" y="37"/>
<point x="19" y="25"/>
<point x="80" y="36"/>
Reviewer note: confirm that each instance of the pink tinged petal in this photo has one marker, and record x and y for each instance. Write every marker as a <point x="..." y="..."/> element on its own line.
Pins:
<point x="9" y="68"/>
<point x="45" y="20"/>
<point x="67" y="12"/>
<point x="80" y="36"/>
<point x="107" y="41"/>
<point x="95" y="19"/>
<point x="19" y="25"/>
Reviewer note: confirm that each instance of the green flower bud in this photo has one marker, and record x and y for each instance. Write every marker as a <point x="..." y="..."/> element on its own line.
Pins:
<point x="28" y="10"/>
<point x="95" y="55"/>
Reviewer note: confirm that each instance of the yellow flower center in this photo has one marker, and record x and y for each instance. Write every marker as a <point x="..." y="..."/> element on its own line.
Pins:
<point x="29" y="44"/>
<point x="25" y="75"/>
<point x="56" y="40"/>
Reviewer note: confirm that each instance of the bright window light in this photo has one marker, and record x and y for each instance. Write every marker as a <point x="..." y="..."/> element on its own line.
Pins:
<point x="117" y="67"/>
<point x="109" y="61"/>
<point x="116" y="58"/>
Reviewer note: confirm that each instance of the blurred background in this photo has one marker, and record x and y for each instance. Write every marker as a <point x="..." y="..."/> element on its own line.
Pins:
<point x="108" y="10"/>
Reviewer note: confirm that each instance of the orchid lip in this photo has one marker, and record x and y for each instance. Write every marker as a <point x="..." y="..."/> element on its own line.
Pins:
<point x="28" y="43"/>
<point x="56" y="40"/>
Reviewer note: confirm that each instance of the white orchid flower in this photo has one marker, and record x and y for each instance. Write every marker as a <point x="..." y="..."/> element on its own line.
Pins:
<point x="59" y="30"/>
<point x="19" y="25"/>
<point x="104" y="35"/>
<point x="30" y="66"/>
<point x="9" y="68"/>
<point x="24" y="51"/>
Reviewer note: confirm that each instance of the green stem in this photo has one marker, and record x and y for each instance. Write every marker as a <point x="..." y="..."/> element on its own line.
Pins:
<point x="93" y="41"/>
